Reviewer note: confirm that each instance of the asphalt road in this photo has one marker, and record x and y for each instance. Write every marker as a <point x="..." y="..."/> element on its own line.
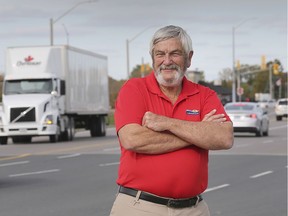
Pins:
<point x="78" y="178"/>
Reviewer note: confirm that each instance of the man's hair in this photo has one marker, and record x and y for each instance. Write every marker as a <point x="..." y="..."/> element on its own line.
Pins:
<point x="169" y="32"/>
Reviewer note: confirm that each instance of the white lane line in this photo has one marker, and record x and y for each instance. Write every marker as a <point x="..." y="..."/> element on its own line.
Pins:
<point x="275" y="128"/>
<point x="112" y="149"/>
<point x="34" y="173"/>
<point x="268" y="141"/>
<point x="14" y="163"/>
<point x="216" y="188"/>
<point x="109" y="164"/>
<point x="261" y="174"/>
<point x="241" y="146"/>
<point x="69" y="156"/>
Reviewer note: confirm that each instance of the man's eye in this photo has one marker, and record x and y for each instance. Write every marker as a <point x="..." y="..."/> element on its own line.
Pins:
<point x="177" y="54"/>
<point x="159" y="54"/>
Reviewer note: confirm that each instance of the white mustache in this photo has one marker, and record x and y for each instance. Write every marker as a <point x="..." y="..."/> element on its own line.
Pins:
<point x="165" y="67"/>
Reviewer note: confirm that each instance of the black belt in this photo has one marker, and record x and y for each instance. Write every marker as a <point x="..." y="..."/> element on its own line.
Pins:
<point x="173" y="203"/>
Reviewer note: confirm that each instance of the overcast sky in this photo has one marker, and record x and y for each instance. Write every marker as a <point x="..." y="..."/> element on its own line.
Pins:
<point x="104" y="26"/>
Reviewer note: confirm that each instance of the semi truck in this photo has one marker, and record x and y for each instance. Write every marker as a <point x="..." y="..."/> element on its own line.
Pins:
<point x="52" y="91"/>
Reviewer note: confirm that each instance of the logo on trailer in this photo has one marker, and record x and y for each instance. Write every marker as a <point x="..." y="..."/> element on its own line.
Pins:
<point x="28" y="61"/>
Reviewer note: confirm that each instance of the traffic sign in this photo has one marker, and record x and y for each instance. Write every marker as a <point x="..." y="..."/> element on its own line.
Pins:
<point x="240" y="91"/>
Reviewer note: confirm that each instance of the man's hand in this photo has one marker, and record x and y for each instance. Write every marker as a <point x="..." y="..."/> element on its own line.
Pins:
<point x="155" y="122"/>
<point x="214" y="118"/>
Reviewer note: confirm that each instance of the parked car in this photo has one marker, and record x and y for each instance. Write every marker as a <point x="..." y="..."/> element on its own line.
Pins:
<point x="281" y="108"/>
<point x="267" y="103"/>
<point x="248" y="117"/>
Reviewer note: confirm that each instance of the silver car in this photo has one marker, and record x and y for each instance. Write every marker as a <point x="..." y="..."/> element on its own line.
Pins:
<point x="248" y="117"/>
<point x="281" y="108"/>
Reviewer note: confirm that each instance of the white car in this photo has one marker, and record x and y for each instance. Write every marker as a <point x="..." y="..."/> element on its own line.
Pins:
<point x="281" y="108"/>
<point x="248" y="117"/>
<point x="267" y="103"/>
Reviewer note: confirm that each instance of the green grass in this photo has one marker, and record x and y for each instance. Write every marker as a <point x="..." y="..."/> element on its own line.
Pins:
<point x="110" y="119"/>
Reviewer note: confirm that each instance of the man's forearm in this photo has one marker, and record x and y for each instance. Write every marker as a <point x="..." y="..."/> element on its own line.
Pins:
<point x="207" y="135"/>
<point x="140" y="139"/>
<point x="212" y="133"/>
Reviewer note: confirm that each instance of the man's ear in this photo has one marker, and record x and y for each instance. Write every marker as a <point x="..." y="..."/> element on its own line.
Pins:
<point x="189" y="58"/>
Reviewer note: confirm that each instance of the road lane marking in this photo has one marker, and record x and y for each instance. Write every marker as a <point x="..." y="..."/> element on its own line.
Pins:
<point x="275" y="128"/>
<point x="241" y="146"/>
<point x="109" y="164"/>
<point x="69" y="156"/>
<point x="34" y="173"/>
<point x="112" y="149"/>
<point x="268" y="141"/>
<point x="15" y="157"/>
<point x="216" y="188"/>
<point x="14" y="163"/>
<point x="261" y="174"/>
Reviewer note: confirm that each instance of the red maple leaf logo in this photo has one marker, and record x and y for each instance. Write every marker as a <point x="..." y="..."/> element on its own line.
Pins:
<point x="28" y="59"/>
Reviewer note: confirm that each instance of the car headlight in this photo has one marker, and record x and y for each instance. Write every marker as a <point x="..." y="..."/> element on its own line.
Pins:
<point x="48" y="120"/>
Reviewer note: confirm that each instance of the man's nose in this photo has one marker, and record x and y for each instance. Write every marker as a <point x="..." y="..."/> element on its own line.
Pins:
<point x="167" y="59"/>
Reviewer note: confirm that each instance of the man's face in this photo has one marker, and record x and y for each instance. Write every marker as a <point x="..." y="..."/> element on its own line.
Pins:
<point x="170" y="62"/>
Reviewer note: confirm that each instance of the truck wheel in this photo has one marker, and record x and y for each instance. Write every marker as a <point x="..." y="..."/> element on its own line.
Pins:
<point x="3" y="140"/>
<point x="69" y="132"/>
<point x="98" y="126"/>
<point x="55" y="137"/>
<point x="71" y="129"/>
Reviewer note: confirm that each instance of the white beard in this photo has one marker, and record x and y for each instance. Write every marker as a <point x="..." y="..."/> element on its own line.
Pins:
<point x="176" y="81"/>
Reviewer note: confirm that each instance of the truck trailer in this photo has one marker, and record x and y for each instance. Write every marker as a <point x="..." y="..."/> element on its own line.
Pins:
<point x="51" y="91"/>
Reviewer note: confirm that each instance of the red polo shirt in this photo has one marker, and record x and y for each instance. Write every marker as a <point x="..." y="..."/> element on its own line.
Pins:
<point x="178" y="174"/>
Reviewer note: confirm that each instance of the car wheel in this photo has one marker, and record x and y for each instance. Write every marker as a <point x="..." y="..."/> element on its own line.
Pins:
<point x="259" y="133"/>
<point x="266" y="133"/>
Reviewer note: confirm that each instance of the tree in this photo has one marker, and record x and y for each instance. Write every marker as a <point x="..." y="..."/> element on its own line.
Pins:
<point x="114" y="87"/>
<point x="141" y="70"/>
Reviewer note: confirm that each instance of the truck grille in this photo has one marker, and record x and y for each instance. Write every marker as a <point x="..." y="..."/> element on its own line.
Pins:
<point x="16" y="113"/>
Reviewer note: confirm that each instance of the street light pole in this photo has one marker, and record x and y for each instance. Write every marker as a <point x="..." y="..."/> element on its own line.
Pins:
<point x="233" y="66"/>
<point x="127" y="49"/>
<point x="53" y="21"/>
<point x="67" y="34"/>
<point x="235" y="74"/>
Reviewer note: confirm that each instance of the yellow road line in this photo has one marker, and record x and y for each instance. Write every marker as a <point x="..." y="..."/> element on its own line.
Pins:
<point x="15" y="157"/>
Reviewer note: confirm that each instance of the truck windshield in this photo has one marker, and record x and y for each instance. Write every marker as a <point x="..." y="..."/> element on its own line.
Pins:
<point x="38" y="86"/>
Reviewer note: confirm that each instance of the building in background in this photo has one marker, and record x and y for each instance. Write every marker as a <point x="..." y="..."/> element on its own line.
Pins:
<point x="197" y="76"/>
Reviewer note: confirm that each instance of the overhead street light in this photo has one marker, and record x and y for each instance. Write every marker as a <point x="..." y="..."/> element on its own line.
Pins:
<point x="53" y="21"/>
<point x="127" y="49"/>
<point x="233" y="56"/>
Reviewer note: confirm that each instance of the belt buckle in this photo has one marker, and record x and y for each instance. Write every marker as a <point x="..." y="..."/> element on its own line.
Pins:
<point x="173" y="204"/>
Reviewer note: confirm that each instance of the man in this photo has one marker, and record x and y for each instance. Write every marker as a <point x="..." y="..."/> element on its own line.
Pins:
<point x="166" y="125"/>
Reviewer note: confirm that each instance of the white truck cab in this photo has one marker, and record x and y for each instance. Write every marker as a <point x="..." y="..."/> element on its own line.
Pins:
<point x="47" y="91"/>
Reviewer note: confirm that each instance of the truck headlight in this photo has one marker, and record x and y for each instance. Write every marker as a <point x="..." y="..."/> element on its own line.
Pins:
<point x="48" y="120"/>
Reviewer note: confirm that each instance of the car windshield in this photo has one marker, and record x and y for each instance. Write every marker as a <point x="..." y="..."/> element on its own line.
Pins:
<point x="40" y="86"/>
<point x="239" y="107"/>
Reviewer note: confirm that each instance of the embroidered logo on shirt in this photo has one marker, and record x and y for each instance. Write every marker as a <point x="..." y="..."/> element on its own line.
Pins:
<point x="192" y="112"/>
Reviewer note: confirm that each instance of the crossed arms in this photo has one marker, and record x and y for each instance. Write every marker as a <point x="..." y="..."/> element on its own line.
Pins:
<point x="160" y="134"/>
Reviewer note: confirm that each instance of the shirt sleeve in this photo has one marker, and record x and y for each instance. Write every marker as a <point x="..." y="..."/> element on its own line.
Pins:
<point x="211" y="102"/>
<point x="130" y="104"/>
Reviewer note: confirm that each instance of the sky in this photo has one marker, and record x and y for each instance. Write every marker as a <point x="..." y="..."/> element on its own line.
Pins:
<point x="104" y="27"/>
